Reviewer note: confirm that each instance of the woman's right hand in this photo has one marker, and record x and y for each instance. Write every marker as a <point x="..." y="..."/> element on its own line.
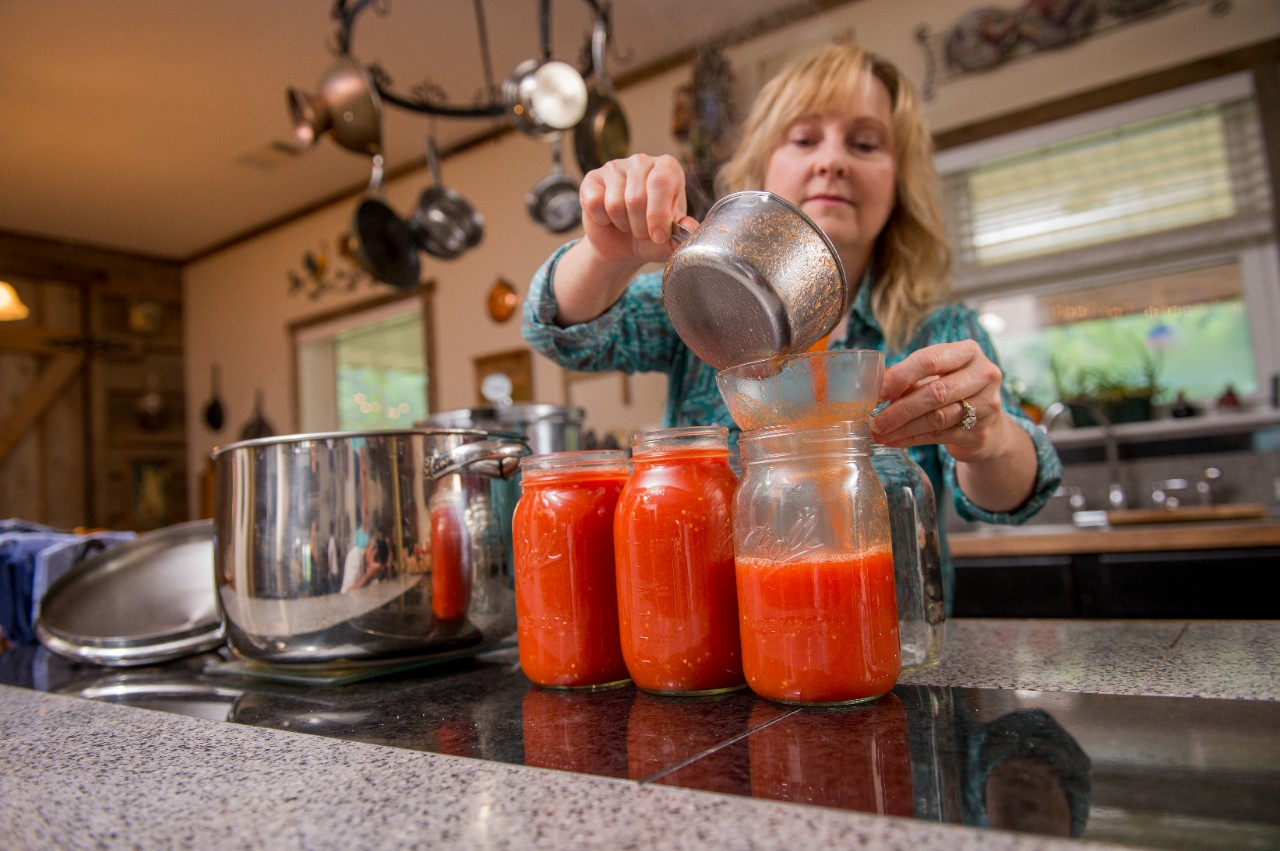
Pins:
<point x="629" y="207"/>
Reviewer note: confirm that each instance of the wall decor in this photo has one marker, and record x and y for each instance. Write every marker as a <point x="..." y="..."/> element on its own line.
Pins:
<point x="515" y="366"/>
<point x="502" y="301"/>
<point x="325" y="269"/>
<point x="989" y="36"/>
<point x="702" y="121"/>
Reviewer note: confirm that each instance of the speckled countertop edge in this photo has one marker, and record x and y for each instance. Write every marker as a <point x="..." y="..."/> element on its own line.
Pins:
<point x="84" y="774"/>
<point x="1219" y="659"/>
<point x="77" y="773"/>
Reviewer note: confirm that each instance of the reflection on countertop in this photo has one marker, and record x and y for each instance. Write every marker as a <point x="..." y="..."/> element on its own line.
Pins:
<point x="1053" y="728"/>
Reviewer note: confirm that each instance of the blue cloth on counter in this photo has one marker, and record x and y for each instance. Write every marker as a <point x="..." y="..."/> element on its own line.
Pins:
<point x="32" y="557"/>
<point x="18" y="552"/>
<point x="13" y="524"/>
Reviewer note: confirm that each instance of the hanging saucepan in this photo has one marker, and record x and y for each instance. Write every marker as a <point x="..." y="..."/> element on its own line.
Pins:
<point x="446" y="224"/>
<point x="553" y="201"/>
<point x="545" y="98"/>
<point x="602" y="134"/>
<point x="757" y="280"/>
<point x="384" y="241"/>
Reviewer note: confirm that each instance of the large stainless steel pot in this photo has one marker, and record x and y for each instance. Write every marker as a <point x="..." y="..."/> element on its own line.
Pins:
<point x="546" y="428"/>
<point x="348" y="547"/>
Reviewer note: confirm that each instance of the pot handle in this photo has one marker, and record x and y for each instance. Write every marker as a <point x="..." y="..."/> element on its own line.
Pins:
<point x="497" y="459"/>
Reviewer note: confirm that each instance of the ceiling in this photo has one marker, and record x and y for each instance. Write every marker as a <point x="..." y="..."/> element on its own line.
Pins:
<point x="160" y="128"/>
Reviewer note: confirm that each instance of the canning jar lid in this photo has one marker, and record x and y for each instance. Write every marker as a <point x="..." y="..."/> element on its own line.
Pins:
<point x="573" y="461"/>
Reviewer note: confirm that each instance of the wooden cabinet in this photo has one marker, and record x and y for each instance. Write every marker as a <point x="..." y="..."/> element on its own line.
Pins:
<point x="91" y="389"/>
<point x="1183" y="584"/>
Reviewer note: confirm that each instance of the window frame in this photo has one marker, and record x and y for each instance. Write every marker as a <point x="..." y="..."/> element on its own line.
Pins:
<point x="1248" y="240"/>
<point x="355" y="315"/>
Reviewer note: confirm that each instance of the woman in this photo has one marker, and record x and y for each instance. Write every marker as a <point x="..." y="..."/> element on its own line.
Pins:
<point x="840" y="134"/>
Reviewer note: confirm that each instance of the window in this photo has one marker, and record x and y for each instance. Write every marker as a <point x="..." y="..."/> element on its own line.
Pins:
<point x="363" y="371"/>
<point x="1126" y="244"/>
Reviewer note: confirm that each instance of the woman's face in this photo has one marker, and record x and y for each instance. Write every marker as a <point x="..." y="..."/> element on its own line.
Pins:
<point x="839" y="168"/>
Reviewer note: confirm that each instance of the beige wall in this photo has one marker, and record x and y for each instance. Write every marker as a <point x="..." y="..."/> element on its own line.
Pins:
<point x="236" y="302"/>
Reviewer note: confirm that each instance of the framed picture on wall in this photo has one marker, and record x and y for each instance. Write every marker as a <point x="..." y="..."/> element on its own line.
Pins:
<point x="504" y="377"/>
<point x="151" y="483"/>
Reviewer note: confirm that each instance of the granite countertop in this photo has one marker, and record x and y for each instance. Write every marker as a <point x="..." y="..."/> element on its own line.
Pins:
<point x="381" y="772"/>
<point x="1065" y="539"/>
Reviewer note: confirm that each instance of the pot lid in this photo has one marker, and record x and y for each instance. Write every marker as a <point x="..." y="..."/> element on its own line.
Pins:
<point x="145" y="601"/>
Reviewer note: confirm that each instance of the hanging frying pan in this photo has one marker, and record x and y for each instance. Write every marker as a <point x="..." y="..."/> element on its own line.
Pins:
<point x="553" y="201"/>
<point x="384" y="241"/>
<point x="602" y="134"/>
<point x="213" y="413"/>
<point x="446" y="224"/>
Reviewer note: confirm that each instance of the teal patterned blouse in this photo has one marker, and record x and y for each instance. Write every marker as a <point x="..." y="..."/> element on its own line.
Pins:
<point x="636" y="335"/>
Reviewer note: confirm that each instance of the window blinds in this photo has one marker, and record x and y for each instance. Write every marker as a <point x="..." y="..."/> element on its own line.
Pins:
<point x="1186" y="168"/>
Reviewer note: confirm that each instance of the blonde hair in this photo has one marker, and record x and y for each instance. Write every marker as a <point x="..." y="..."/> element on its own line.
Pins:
<point x="911" y="259"/>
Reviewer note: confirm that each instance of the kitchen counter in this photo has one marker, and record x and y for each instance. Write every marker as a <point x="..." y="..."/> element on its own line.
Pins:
<point x="1173" y="728"/>
<point x="1065" y="539"/>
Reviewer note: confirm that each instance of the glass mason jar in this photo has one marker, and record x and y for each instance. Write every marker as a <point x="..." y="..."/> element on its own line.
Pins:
<point x="917" y="559"/>
<point x="815" y="566"/>
<point x="566" y="592"/>
<point x="673" y="535"/>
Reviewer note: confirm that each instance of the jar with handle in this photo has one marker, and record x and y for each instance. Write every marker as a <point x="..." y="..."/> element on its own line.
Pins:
<point x="917" y="560"/>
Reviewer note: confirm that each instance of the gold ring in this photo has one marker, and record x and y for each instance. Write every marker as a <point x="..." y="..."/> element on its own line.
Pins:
<point x="968" y="416"/>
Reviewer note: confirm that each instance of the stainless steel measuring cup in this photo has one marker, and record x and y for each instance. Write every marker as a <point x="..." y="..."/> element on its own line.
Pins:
<point x="758" y="279"/>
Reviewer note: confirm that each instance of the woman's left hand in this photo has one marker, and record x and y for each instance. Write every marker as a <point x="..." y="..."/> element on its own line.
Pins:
<point x="948" y="393"/>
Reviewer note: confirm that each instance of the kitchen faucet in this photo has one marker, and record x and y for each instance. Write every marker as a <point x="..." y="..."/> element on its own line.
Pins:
<point x="1116" y="497"/>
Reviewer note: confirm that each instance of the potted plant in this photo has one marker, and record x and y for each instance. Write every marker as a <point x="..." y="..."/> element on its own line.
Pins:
<point x="1123" y="394"/>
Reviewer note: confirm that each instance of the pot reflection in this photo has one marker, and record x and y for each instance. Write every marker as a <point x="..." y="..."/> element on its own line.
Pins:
<point x="576" y="730"/>
<point x="856" y="758"/>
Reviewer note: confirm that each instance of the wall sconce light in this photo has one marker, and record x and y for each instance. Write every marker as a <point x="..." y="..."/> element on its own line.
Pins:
<point x="11" y="307"/>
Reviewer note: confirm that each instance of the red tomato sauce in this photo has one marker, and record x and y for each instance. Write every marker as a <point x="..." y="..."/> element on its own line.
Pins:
<point x="677" y="604"/>
<point x="566" y="592"/>
<point x="821" y="630"/>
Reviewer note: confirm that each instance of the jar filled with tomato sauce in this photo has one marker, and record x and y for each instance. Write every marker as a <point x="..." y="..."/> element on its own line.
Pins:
<point x="566" y="592"/>
<point x="815" y="572"/>
<point x="673" y="535"/>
